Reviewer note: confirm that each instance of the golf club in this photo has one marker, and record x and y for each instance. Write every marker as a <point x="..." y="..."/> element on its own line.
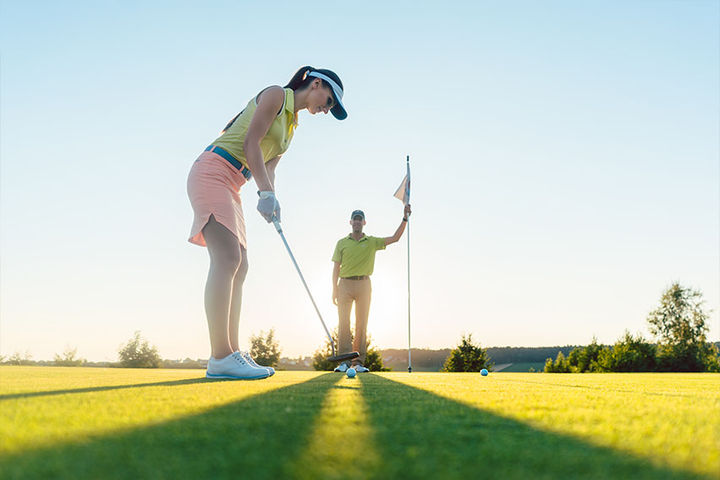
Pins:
<point x="334" y="357"/>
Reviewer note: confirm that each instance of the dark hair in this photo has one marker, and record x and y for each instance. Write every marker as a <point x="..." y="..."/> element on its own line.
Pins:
<point x="300" y="80"/>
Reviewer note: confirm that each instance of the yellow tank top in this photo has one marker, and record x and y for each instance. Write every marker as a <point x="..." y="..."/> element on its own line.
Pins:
<point x="274" y="143"/>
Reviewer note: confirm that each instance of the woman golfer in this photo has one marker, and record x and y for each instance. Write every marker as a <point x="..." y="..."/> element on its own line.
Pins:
<point x="250" y="146"/>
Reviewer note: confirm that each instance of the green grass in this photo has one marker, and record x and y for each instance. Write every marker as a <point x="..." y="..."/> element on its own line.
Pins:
<point x="118" y="423"/>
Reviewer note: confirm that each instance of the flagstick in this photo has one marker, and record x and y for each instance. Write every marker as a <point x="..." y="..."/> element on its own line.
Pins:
<point x="408" y="282"/>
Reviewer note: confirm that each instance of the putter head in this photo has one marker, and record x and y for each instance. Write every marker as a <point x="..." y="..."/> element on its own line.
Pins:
<point x="344" y="356"/>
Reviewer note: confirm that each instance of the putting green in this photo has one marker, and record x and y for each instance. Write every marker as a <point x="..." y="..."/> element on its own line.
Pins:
<point x="123" y="423"/>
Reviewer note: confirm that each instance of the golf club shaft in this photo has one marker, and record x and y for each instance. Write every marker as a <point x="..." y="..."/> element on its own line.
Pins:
<point x="292" y="257"/>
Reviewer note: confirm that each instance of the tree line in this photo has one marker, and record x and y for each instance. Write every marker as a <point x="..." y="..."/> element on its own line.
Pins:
<point x="680" y="326"/>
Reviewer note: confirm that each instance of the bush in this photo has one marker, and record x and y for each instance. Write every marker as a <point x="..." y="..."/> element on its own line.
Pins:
<point x="579" y="360"/>
<point x="467" y="357"/>
<point x="265" y="349"/>
<point x="629" y="354"/>
<point x="69" y="358"/>
<point x="686" y="357"/>
<point x="138" y="353"/>
<point x="712" y="359"/>
<point x="588" y="358"/>
<point x="19" y="359"/>
<point x="560" y="365"/>
<point x="373" y="359"/>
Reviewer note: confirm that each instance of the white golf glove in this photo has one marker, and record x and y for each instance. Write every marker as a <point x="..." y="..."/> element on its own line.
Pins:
<point x="268" y="205"/>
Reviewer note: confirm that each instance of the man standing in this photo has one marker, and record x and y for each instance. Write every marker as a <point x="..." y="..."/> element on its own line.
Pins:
<point x="354" y="259"/>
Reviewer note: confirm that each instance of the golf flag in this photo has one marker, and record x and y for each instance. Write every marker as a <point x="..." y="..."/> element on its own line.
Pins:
<point x="403" y="191"/>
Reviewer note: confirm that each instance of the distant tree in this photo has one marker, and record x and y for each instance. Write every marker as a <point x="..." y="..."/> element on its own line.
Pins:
<point x="373" y="357"/>
<point x="68" y="358"/>
<point x="548" y="366"/>
<point x="20" y="359"/>
<point x="15" y="359"/>
<point x="680" y="324"/>
<point x="576" y="360"/>
<point x="467" y="357"/>
<point x="629" y="354"/>
<point x="586" y="358"/>
<point x="712" y="359"/>
<point x="138" y="353"/>
<point x="265" y="349"/>
<point x="560" y="365"/>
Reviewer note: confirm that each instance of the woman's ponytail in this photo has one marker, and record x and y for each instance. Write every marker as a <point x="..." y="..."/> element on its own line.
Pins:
<point x="300" y="79"/>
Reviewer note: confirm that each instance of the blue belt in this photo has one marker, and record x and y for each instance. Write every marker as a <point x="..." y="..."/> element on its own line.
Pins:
<point x="232" y="160"/>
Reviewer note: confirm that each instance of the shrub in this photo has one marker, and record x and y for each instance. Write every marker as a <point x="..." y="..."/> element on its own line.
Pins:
<point x="138" y="353"/>
<point x="629" y="354"/>
<point x="265" y="349"/>
<point x="560" y="365"/>
<point x="467" y="357"/>
<point x="69" y="358"/>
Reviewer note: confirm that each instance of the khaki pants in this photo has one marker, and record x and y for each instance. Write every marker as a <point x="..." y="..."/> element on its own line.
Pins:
<point x="358" y="291"/>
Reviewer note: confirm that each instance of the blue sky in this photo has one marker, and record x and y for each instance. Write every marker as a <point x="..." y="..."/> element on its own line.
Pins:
<point x="564" y="155"/>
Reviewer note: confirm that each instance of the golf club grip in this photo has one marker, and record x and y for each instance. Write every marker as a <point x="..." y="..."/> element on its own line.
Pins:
<point x="344" y="356"/>
<point x="307" y="289"/>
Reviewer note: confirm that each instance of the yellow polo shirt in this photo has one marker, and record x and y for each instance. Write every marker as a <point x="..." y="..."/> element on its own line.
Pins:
<point x="357" y="257"/>
<point x="274" y="143"/>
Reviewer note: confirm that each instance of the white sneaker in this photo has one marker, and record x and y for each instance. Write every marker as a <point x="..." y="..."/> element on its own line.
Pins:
<point x="248" y="358"/>
<point x="360" y="369"/>
<point x="234" y="367"/>
<point x="342" y="368"/>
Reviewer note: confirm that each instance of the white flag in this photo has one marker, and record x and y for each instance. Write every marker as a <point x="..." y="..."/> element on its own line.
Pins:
<point x="403" y="191"/>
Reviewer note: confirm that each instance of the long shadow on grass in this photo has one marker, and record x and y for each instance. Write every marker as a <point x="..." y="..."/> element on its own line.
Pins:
<point x="423" y="435"/>
<point x="258" y="437"/>
<point x="170" y="383"/>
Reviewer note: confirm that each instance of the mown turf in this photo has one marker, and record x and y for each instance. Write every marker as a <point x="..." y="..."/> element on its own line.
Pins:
<point x="117" y="423"/>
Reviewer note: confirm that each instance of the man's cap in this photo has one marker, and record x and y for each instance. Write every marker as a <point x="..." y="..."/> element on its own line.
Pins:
<point x="357" y="213"/>
<point x="338" y="110"/>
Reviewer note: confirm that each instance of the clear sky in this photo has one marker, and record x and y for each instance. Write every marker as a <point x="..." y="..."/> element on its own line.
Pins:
<point x="564" y="157"/>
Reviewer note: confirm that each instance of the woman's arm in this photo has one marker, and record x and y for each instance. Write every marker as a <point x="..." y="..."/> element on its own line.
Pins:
<point x="269" y="103"/>
<point x="270" y="167"/>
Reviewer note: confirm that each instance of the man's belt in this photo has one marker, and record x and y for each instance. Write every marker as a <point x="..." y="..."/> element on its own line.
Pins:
<point x="357" y="277"/>
<point x="244" y="171"/>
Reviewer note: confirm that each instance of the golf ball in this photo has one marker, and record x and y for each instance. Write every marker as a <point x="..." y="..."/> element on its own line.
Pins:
<point x="483" y="372"/>
<point x="351" y="372"/>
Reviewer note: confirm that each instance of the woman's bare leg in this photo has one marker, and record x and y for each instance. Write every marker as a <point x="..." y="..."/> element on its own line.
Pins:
<point x="236" y="300"/>
<point x="225" y="260"/>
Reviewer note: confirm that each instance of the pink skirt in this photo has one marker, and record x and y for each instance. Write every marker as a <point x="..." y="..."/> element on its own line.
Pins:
<point x="214" y="189"/>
